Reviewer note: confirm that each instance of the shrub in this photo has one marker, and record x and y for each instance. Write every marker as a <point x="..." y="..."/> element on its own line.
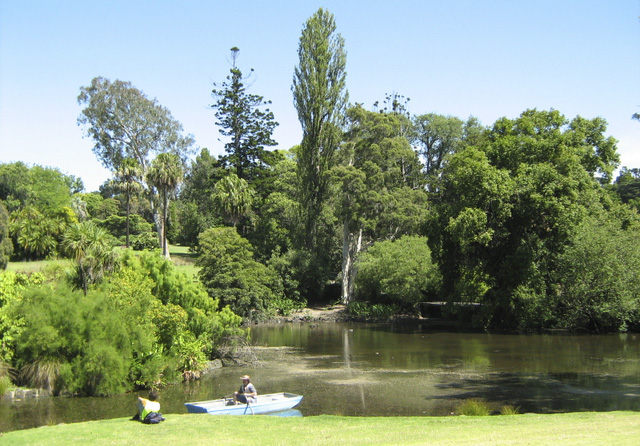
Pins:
<point x="82" y="344"/>
<point x="5" y="384"/>
<point x="397" y="272"/>
<point x="230" y="274"/>
<point x="473" y="408"/>
<point x="187" y="321"/>
<point x="12" y="287"/>
<point x="597" y="279"/>
<point x="509" y="410"/>
<point x="144" y="241"/>
<point x="364" y="310"/>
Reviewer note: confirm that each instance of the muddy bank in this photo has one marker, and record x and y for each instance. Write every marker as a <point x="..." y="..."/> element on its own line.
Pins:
<point x="333" y="313"/>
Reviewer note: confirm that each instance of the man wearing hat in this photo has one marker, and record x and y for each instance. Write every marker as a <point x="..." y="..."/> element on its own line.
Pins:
<point x="247" y="393"/>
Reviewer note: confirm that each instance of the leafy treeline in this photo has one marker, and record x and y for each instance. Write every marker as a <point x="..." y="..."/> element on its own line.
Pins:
<point x="516" y="225"/>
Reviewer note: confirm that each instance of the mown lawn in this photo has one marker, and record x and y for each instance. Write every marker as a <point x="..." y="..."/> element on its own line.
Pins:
<point x="180" y="255"/>
<point x="610" y="428"/>
<point x="183" y="259"/>
<point x="36" y="265"/>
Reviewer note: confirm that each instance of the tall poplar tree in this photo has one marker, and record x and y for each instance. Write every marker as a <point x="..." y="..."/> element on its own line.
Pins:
<point x="320" y="97"/>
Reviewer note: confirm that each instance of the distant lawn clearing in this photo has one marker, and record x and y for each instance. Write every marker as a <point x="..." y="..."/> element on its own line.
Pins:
<point x="36" y="265"/>
<point x="180" y="256"/>
<point x="183" y="259"/>
<point x="588" y="428"/>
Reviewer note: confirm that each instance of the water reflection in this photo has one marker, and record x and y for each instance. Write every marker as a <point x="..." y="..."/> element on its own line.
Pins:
<point x="375" y="370"/>
<point x="378" y="370"/>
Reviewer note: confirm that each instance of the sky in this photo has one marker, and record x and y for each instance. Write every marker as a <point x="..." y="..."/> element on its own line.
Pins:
<point x="482" y="58"/>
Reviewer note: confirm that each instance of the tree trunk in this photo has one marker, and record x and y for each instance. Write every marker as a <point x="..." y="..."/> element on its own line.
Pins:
<point x="128" y="215"/>
<point x="346" y="263"/>
<point x="165" y="214"/>
<point x="349" y="251"/>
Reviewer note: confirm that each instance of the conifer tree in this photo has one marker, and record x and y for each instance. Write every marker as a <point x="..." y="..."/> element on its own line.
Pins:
<point x="240" y="118"/>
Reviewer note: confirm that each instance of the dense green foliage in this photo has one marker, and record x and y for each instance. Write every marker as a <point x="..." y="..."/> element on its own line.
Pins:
<point x="45" y="188"/>
<point x="230" y="273"/>
<point x="597" y="281"/>
<point x="507" y="208"/>
<point x="146" y="325"/>
<point x="515" y="226"/>
<point x="398" y="272"/>
<point x="6" y="246"/>
<point x="81" y="344"/>
<point x="378" y="194"/>
<point x="627" y="186"/>
<point x="39" y="200"/>
<point x="12" y="287"/>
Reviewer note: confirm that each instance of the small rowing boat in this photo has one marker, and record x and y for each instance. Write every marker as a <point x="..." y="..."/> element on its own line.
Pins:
<point x="271" y="402"/>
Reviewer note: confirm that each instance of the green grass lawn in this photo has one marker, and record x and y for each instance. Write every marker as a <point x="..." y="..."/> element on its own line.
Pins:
<point x="36" y="265"/>
<point x="183" y="259"/>
<point x="588" y="428"/>
<point x="180" y="255"/>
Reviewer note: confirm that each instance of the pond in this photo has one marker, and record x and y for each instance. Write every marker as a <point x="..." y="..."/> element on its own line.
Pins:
<point x="357" y="369"/>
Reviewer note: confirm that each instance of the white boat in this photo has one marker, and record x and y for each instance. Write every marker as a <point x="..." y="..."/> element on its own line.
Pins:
<point x="271" y="402"/>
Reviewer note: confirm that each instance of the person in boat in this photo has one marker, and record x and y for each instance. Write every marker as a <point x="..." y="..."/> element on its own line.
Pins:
<point x="146" y="406"/>
<point x="247" y="392"/>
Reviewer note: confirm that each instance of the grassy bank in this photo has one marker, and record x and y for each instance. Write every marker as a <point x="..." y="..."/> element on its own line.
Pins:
<point x="619" y="428"/>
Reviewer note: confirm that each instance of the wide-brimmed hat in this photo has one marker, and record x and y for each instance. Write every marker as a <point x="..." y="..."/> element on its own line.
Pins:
<point x="246" y="377"/>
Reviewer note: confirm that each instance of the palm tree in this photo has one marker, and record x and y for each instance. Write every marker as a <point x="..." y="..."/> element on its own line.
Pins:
<point x="35" y="232"/>
<point x="89" y="246"/>
<point x="233" y="198"/>
<point x="165" y="174"/>
<point x="127" y="181"/>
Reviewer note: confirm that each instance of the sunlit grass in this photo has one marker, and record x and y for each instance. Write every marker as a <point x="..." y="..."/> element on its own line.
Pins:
<point x="183" y="259"/>
<point x="37" y="265"/>
<point x="619" y="428"/>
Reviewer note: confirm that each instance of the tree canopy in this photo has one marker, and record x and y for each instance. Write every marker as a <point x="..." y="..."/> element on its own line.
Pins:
<point x="241" y="119"/>
<point x="124" y="123"/>
<point x="320" y="97"/>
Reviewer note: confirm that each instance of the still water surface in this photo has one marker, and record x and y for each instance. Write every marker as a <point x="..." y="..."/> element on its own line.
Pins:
<point x="359" y="369"/>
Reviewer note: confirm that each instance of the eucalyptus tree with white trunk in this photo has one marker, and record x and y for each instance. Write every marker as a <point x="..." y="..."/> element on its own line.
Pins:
<point x="125" y="124"/>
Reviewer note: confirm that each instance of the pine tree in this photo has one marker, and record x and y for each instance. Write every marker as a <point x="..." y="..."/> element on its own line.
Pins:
<point x="240" y="118"/>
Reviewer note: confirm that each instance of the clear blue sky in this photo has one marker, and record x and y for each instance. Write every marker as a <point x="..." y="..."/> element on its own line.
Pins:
<point x="458" y="57"/>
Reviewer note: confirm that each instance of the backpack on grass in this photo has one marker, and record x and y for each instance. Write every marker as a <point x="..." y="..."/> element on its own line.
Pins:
<point x="153" y="418"/>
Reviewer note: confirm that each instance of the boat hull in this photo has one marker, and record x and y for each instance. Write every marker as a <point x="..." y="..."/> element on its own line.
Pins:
<point x="272" y="402"/>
